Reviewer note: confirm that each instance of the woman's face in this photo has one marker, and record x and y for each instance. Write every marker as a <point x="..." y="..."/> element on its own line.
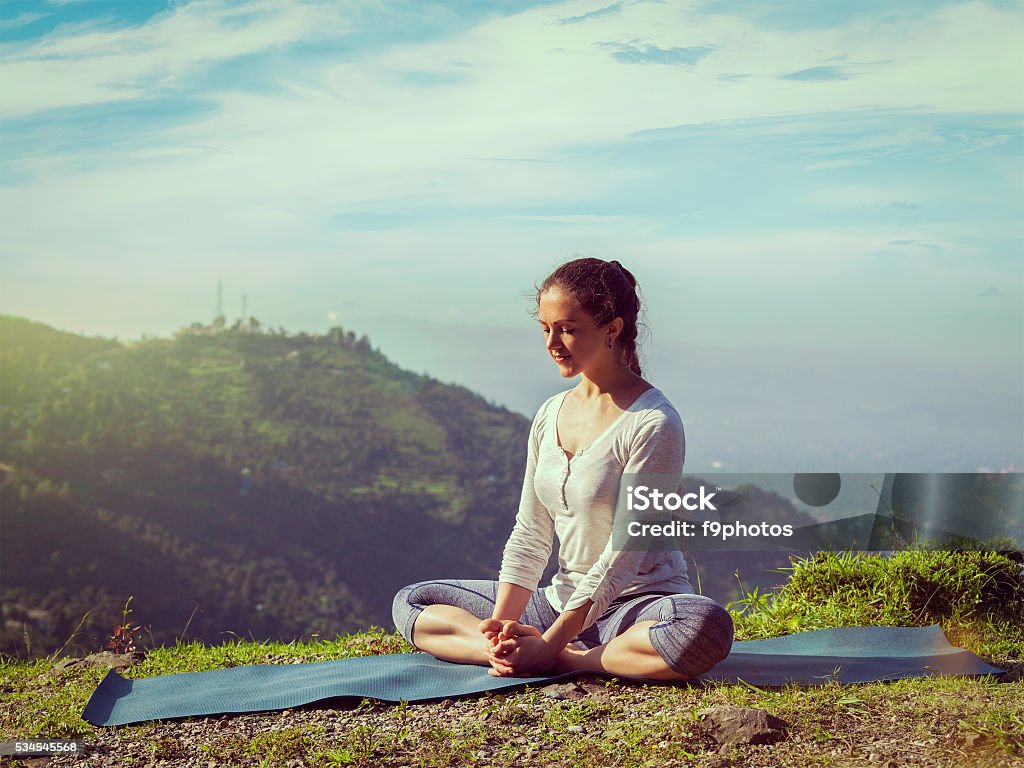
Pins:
<point x="571" y="337"/>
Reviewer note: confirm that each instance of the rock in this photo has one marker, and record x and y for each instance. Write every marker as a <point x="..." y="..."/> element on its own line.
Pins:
<point x="575" y="729"/>
<point x="571" y="691"/>
<point x="974" y="739"/>
<point x="743" y="725"/>
<point x="108" y="660"/>
<point x="66" y="663"/>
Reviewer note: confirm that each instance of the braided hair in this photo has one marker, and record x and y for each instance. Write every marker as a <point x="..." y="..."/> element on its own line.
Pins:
<point x="605" y="290"/>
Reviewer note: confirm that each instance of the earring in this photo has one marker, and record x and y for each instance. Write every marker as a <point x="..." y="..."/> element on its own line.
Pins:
<point x="609" y="343"/>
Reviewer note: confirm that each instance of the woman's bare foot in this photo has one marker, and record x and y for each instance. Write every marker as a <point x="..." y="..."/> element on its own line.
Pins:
<point x="525" y="652"/>
<point x="569" y="659"/>
<point x="511" y="630"/>
<point x="530" y="658"/>
<point x="498" y="630"/>
<point x="508" y="637"/>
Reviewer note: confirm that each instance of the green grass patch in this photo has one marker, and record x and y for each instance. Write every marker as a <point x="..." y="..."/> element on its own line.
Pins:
<point x="977" y="597"/>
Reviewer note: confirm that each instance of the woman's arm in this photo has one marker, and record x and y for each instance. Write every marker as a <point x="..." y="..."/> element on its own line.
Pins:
<point x="529" y="545"/>
<point x="511" y="601"/>
<point x="527" y="550"/>
<point x="568" y="624"/>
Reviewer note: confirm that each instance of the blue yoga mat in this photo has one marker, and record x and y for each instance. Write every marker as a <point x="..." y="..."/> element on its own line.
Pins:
<point x="846" y="654"/>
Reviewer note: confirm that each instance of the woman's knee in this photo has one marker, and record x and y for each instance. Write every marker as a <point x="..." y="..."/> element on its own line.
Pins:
<point x="471" y="595"/>
<point x="404" y="610"/>
<point x="696" y="637"/>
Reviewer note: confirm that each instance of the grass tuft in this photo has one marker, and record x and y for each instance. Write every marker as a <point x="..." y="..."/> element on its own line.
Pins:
<point x="977" y="597"/>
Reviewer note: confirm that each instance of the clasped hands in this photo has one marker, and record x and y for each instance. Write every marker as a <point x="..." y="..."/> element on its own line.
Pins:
<point x="517" y="649"/>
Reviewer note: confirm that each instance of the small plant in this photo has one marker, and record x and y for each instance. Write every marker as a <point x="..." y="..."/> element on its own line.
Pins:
<point x="753" y="602"/>
<point x="123" y="639"/>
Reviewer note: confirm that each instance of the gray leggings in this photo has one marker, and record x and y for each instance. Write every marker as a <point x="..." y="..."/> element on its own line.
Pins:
<point x="693" y="632"/>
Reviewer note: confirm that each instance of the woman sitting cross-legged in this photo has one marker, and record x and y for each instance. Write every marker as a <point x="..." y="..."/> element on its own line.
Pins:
<point x="628" y="613"/>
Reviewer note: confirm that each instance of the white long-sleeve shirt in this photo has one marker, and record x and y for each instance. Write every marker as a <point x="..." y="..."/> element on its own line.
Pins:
<point x="576" y="499"/>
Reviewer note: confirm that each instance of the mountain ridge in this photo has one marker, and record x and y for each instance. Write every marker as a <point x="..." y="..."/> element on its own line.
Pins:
<point x="247" y="481"/>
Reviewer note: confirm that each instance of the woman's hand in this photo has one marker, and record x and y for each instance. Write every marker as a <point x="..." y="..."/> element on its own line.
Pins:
<point x="490" y="628"/>
<point x="517" y="649"/>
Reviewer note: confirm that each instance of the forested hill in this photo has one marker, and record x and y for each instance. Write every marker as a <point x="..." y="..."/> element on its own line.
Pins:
<point x="262" y="483"/>
<point x="244" y="480"/>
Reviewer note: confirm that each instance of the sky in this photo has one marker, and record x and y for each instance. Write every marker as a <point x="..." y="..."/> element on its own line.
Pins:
<point x="822" y="201"/>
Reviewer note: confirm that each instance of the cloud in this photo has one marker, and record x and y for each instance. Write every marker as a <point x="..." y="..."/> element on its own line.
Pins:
<point x="588" y="219"/>
<point x="988" y="293"/>
<point x="917" y="244"/>
<point x="817" y="73"/>
<point x="520" y="160"/>
<point x="319" y="151"/>
<point x="610" y="10"/>
<point x="652" y="54"/>
<point x="543" y="121"/>
<point x="20" y="20"/>
<point x="799" y="15"/>
<point x="846" y="162"/>
<point x="92" y="62"/>
<point x="426" y="79"/>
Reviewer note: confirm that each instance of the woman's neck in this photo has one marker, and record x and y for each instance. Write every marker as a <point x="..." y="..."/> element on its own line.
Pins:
<point x="615" y="382"/>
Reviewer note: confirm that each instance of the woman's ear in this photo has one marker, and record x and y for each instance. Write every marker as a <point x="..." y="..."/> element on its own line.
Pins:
<point x="614" y="329"/>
